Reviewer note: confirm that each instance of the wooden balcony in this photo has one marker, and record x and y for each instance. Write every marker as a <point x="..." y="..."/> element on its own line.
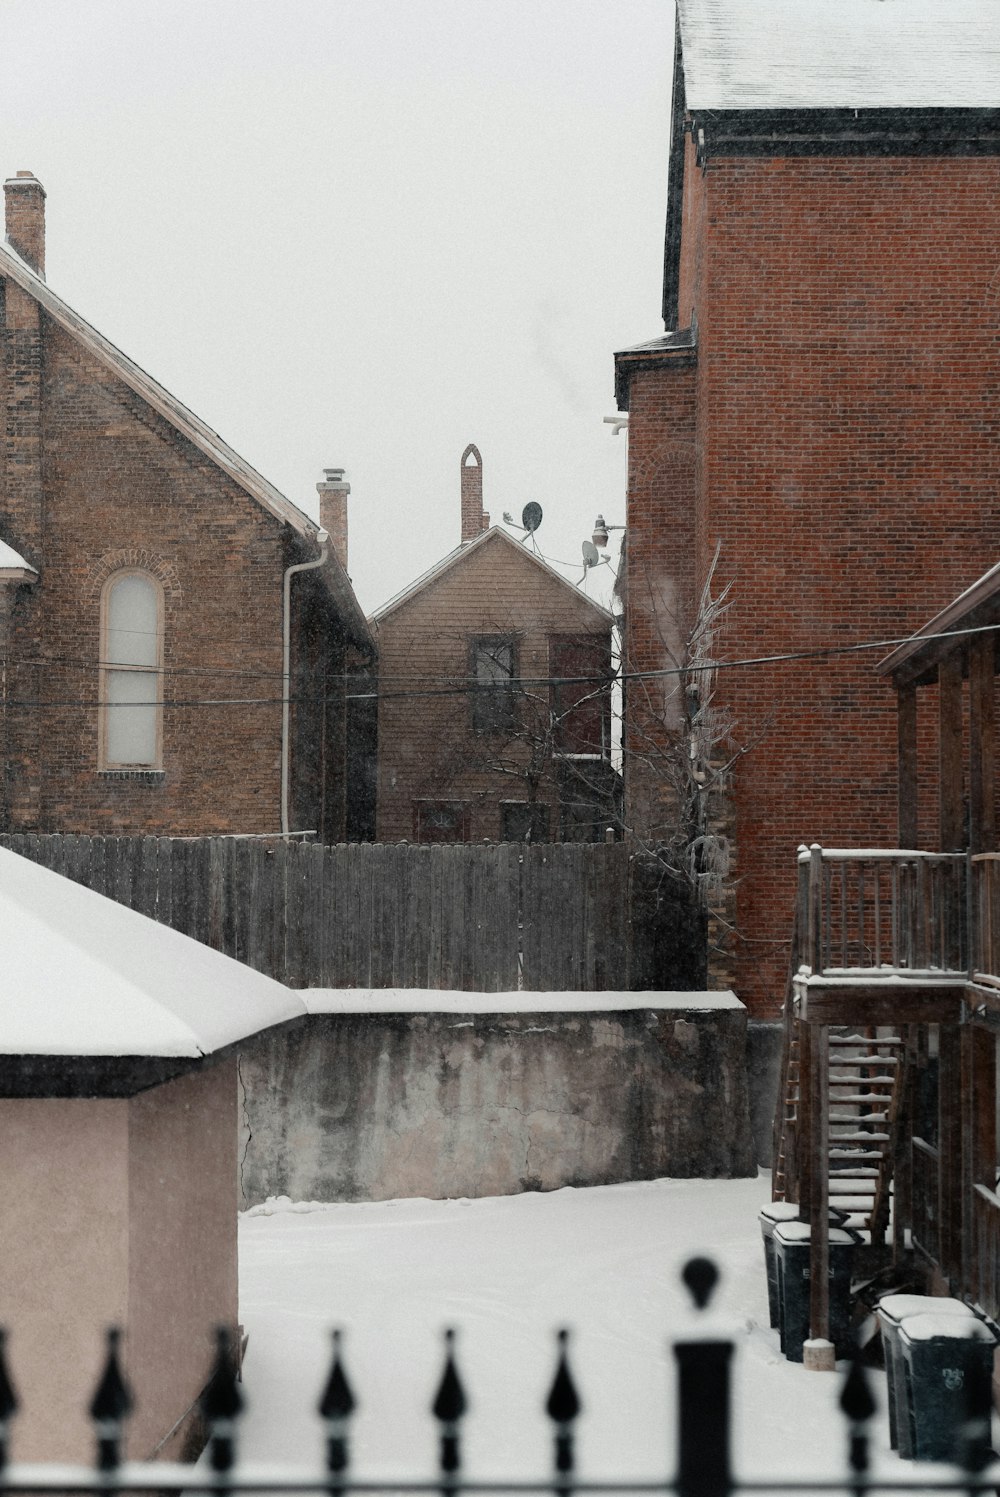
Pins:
<point x="883" y="935"/>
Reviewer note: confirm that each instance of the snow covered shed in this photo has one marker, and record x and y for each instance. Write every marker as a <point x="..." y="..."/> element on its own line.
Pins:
<point x="118" y="1139"/>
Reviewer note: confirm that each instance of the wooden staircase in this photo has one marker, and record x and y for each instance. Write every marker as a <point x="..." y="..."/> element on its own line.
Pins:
<point x="864" y="1083"/>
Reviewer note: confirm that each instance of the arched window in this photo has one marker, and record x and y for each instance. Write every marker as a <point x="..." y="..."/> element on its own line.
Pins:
<point x="131" y="672"/>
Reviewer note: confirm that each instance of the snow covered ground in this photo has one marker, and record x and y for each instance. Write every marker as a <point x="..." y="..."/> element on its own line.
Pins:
<point x="507" y="1272"/>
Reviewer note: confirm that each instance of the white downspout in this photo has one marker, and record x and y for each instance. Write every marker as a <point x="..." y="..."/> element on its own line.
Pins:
<point x="286" y="667"/>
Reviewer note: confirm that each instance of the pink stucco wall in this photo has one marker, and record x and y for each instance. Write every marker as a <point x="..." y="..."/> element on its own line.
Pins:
<point x="64" y="1251"/>
<point x="117" y="1212"/>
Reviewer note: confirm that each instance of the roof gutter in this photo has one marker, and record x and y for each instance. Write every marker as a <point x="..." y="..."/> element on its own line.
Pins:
<point x="286" y="667"/>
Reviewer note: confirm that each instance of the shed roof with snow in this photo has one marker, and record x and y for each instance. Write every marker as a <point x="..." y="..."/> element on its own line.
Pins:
<point x="101" y="1000"/>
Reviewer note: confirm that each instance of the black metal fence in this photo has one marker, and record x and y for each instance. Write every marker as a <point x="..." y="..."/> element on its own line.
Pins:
<point x="703" y="1466"/>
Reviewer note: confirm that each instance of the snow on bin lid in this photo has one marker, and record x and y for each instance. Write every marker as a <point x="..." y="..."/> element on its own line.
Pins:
<point x="953" y="1327"/>
<point x="84" y="976"/>
<point x="780" y="1211"/>
<point x="901" y="1306"/>
<point x="840" y="54"/>
<point x="799" y="1232"/>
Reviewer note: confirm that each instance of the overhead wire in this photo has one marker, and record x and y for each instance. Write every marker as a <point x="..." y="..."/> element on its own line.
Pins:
<point x="465" y="687"/>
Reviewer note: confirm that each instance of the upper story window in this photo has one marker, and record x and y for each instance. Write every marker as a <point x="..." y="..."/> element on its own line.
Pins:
<point x="131" y="722"/>
<point x="580" y="669"/>
<point x="493" y="664"/>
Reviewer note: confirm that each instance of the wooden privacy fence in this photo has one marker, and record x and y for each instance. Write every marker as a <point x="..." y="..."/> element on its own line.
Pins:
<point x="483" y="918"/>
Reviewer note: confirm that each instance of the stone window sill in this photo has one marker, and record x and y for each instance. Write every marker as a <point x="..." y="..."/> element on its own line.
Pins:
<point x="144" y="776"/>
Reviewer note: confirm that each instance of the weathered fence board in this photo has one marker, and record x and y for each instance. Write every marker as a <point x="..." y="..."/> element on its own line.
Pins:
<point x="490" y="918"/>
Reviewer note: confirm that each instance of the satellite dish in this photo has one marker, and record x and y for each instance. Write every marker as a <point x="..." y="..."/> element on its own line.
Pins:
<point x="590" y="556"/>
<point x="531" y="516"/>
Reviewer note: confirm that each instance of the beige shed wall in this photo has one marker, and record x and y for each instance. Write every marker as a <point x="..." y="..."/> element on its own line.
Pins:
<point x="64" y="1257"/>
<point x="117" y="1212"/>
<point x="182" y="1260"/>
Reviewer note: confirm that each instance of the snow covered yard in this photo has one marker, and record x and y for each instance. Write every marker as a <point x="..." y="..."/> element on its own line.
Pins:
<point x="507" y="1271"/>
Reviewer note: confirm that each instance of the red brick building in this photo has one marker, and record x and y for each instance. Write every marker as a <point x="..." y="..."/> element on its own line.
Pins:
<point x="494" y="715"/>
<point x="823" y="405"/>
<point x="147" y="579"/>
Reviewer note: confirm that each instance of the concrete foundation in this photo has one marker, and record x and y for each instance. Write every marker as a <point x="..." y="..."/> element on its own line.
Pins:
<point x="369" y="1106"/>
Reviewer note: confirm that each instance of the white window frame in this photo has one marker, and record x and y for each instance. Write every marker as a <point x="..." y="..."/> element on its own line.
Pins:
<point x="108" y="669"/>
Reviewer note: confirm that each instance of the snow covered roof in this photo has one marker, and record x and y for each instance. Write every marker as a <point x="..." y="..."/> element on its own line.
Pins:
<point x="840" y="54"/>
<point x="13" y="567"/>
<point x="85" y="976"/>
<point x="434" y="1001"/>
<point x="487" y="537"/>
<point x="187" y="424"/>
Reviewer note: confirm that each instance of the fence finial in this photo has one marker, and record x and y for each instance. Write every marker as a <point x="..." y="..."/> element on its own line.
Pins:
<point x="448" y="1407"/>
<point x="701" y="1276"/>
<point x="562" y="1407"/>
<point x="336" y="1407"/>
<point x="221" y="1402"/>
<point x="8" y="1399"/>
<point x="110" y="1406"/>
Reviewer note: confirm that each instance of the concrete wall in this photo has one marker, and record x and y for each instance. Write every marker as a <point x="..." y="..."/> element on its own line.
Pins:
<point x="116" y="1212"/>
<point x="352" y="1106"/>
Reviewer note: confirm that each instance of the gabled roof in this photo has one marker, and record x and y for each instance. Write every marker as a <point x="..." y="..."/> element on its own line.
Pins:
<point x="840" y="54"/>
<point x="171" y="409"/>
<point x="13" y="567"/>
<point x="187" y="424"/>
<point x="493" y="536"/>
<point x="978" y="607"/>
<point x="85" y="976"/>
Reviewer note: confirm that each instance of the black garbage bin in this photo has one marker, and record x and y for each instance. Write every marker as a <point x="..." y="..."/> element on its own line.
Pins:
<point x="947" y="1365"/>
<point x="791" y="1244"/>
<point x="771" y="1216"/>
<point x="892" y="1311"/>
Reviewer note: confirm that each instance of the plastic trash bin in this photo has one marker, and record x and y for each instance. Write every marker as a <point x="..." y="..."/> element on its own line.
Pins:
<point x="892" y="1311"/>
<point x="771" y="1216"/>
<point x="791" y="1244"/>
<point x="947" y="1364"/>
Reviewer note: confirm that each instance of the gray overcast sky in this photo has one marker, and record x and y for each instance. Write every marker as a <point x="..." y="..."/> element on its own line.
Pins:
<point x="363" y="233"/>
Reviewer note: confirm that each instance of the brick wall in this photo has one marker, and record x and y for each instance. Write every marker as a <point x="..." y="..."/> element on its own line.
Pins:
<point x="94" y="480"/>
<point x="427" y="749"/>
<point x="846" y="455"/>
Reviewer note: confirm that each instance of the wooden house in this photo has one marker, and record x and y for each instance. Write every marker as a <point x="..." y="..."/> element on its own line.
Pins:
<point x="892" y="1019"/>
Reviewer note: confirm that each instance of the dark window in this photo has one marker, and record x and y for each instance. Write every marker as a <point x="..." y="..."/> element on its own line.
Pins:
<point x="522" y="821"/>
<point x="493" y="661"/>
<point x="580" y="667"/>
<point x="441" y="821"/>
<point x="583" y="821"/>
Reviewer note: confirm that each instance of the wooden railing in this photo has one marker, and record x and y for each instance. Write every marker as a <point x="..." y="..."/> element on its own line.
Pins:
<point x="862" y="909"/>
<point x="986" y="916"/>
<point x="925" y="1223"/>
<point x="985" y="1266"/>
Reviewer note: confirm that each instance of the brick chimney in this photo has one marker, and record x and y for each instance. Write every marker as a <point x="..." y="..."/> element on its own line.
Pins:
<point x="333" y="492"/>
<point x="474" y="520"/>
<point x="24" y="201"/>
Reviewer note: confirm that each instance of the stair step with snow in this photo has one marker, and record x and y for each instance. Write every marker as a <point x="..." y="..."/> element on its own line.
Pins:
<point x="859" y="1042"/>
